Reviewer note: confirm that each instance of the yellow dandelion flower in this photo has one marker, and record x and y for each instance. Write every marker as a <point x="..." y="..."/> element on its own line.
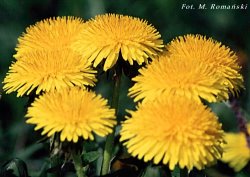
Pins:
<point x="212" y="53"/>
<point x="236" y="150"/>
<point x="49" y="34"/>
<point x="48" y="71"/>
<point x="105" y="36"/>
<point x="73" y="113"/>
<point x="173" y="130"/>
<point x="177" y="76"/>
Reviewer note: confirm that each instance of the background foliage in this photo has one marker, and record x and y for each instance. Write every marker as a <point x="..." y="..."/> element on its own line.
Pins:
<point x="231" y="27"/>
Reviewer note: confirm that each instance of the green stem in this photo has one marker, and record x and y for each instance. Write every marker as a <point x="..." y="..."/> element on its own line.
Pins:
<point x="109" y="145"/>
<point x="55" y="147"/>
<point x="78" y="164"/>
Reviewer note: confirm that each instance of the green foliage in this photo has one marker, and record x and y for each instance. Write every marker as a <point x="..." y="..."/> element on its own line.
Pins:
<point x="14" y="168"/>
<point x="90" y="157"/>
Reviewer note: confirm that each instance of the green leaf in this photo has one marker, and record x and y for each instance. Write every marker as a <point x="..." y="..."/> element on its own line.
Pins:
<point x="89" y="157"/>
<point x="14" y="166"/>
<point x="126" y="172"/>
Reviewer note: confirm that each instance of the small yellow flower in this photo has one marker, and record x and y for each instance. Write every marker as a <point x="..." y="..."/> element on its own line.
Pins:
<point x="105" y="36"/>
<point x="73" y="113"/>
<point x="47" y="71"/>
<point x="177" y="76"/>
<point x="213" y="54"/>
<point x="174" y="130"/>
<point x="48" y="35"/>
<point x="236" y="150"/>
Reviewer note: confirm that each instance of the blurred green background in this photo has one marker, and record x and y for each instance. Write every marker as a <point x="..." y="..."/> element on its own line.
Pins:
<point x="231" y="27"/>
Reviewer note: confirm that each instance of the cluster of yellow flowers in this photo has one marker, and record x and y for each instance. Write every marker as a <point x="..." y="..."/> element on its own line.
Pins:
<point x="55" y="60"/>
<point x="47" y="65"/>
<point x="176" y="127"/>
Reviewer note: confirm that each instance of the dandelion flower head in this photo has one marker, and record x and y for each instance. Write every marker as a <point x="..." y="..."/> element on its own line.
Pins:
<point x="171" y="75"/>
<point x="165" y="130"/>
<point x="105" y="36"/>
<point x="73" y="113"/>
<point x="48" y="35"/>
<point x="236" y="150"/>
<point x="48" y="71"/>
<point x="212" y="53"/>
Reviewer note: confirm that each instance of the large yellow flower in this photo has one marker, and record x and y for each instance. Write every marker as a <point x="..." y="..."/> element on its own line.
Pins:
<point x="212" y="53"/>
<point x="236" y="150"/>
<point x="46" y="71"/>
<point x="178" y="76"/>
<point x="73" y="113"/>
<point x="49" y="34"/>
<point x="174" y="130"/>
<point x="105" y="36"/>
